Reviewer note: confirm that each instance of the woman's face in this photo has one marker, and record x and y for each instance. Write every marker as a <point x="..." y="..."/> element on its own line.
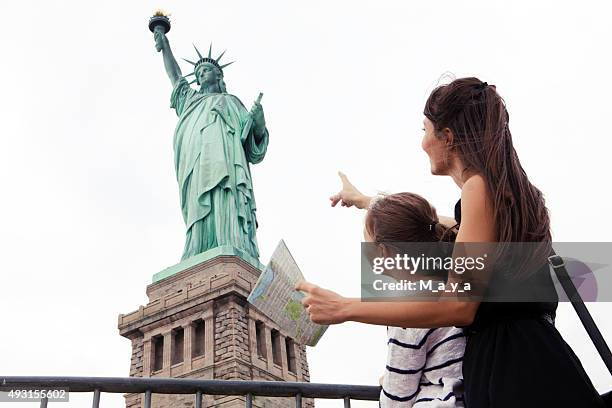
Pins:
<point x="436" y="149"/>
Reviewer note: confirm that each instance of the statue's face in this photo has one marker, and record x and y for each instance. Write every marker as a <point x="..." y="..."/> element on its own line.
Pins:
<point x="208" y="74"/>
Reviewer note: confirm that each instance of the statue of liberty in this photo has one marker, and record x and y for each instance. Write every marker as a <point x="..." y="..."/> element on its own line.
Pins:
<point x="215" y="140"/>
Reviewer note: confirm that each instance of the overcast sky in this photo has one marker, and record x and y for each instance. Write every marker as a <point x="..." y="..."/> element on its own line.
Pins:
<point x="89" y="209"/>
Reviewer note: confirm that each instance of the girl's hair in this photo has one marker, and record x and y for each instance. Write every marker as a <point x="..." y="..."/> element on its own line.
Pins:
<point x="477" y="116"/>
<point x="405" y="217"/>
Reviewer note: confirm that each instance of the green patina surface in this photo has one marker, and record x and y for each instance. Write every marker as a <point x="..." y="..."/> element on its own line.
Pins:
<point x="206" y="256"/>
<point x="215" y="141"/>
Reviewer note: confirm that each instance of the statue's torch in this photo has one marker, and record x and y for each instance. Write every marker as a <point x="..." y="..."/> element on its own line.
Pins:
<point x="159" y="21"/>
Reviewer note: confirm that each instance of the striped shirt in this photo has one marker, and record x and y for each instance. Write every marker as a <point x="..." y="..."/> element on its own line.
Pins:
<point x="423" y="368"/>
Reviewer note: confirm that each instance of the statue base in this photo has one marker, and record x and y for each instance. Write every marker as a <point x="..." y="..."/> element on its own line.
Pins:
<point x="226" y="250"/>
<point x="198" y="324"/>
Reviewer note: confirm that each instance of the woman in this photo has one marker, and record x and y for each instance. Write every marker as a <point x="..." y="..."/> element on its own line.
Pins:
<point x="514" y="355"/>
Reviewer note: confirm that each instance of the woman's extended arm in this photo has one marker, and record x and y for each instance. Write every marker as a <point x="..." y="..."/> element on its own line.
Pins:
<point x="327" y="307"/>
<point x="477" y="225"/>
<point x="349" y="196"/>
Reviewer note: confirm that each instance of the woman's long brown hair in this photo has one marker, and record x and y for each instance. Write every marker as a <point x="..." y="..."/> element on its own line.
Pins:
<point x="477" y="116"/>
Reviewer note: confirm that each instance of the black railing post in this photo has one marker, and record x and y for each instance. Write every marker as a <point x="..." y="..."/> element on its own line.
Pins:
<point x="198" y="401"/>
<point x="248" y="402"/>
<point x="147" y="399"/>
<point x="347" y="402"/>
<point x="96" y="399"/>
<point x="298" y="401"/>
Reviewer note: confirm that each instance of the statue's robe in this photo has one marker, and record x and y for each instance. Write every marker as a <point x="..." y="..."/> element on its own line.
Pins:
<point x="214" y="142"/>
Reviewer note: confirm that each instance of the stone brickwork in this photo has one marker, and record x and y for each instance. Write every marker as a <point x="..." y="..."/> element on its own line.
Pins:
<point x="137" y="357"/>
<point x="304" y="364"/>
<point x="198" y="324"/>
<point x="232" y="339"/>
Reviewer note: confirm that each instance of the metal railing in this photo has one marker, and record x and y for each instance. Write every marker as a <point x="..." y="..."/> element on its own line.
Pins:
<point x="198" y="388"/>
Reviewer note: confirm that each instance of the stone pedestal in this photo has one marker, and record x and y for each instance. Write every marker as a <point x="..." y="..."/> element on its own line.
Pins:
<point x="198" y="324"/>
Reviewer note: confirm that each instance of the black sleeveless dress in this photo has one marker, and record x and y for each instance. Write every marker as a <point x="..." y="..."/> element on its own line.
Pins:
<point x="515" y="357"/>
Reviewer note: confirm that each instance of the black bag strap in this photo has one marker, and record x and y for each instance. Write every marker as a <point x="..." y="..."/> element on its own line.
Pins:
<point x="558" y="266"/>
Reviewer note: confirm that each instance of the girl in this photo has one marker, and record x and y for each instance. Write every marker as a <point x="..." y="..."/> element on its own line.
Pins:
<point x="514" y="355"/>
<point x="423" y="365"/>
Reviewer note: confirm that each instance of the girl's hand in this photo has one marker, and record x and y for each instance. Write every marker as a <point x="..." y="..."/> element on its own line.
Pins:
<point x="349" y="195"/>
<point x="323" y="306"/>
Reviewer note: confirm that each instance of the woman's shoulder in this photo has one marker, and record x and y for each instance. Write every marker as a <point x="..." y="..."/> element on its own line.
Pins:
<point x="475" y="189"/>
<point x="476" y="211"/>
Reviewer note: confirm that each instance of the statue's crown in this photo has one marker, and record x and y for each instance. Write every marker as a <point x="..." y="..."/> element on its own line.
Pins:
<point x="209" y="59"/>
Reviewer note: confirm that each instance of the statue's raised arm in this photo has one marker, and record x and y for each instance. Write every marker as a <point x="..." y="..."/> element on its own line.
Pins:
<point x="162" y="44"/>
